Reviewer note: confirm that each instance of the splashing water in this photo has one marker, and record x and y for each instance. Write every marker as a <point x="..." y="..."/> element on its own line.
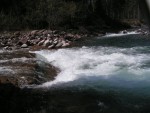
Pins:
<point x="120" y="34"/>
<point x="105" y="62"/>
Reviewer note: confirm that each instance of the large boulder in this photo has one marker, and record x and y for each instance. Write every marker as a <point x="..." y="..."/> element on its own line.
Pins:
<point x="22" y="68"/>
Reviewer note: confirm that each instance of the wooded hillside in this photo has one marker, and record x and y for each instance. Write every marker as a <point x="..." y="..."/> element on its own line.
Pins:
<point x="37" y="14"/>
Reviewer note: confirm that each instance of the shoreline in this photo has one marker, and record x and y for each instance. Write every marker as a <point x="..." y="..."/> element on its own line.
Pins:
<point x="37" y="39"/>
<point x="52" y="39"/>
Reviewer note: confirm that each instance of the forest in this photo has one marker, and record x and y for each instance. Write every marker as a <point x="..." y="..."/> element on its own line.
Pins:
<point x="52" y="14"/>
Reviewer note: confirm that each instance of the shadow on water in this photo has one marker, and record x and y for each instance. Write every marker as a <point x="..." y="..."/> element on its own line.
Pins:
<point x="126" y="41"/>
<point x="72" y="100"/>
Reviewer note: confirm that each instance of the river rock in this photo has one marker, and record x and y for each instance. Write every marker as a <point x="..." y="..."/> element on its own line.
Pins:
<point x="45" y="32"/>
<point x="59" y="44"/>
<point x="25" y="69"/>
<point x="55" y="42"/>
<point x="35" y="41"/>
<point x="32" y="37"/>
<point x="46" y="43"/>
<point x="47" y="38"/>
<point x="51" y="41"/>
<point x="77" y="36"/>
<point x="51" y="46"/>
<point x="14" y="41"/>
<point x="55" y="32"/>
<point x="56" y="39"/>
<point x="56" y="35"/>
<point x="48" y="35"/>
<point x="40" y="32"/>
<point x="5" y="48"/>
<point x="17" y="33"/>
<point x="65" y="44"/>
<point x="24" y="46"/>
<point x="49" y="32"/>
<point x="125" y="32"/>
<point x="9" y="43"/>
<point x="4" y="42"/>
<point x="69" y="37"/>
<point x="34" y="32"/>
<point x="41" y="42"/>
<point x="23" y="40"/>
<point x="0" y="45"/>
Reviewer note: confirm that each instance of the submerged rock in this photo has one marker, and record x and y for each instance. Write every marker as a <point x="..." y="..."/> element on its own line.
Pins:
<point x="125" y="32"/>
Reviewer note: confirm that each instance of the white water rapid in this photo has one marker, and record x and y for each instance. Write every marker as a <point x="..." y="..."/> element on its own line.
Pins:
<point x="104" y="62"/>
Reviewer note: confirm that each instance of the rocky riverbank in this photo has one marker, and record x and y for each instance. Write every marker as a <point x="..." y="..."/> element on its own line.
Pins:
<point x="22" y="68"/>
<point x="49" y="39"/>
<point x="19" y="67"/>
<point x="37" y="39"/>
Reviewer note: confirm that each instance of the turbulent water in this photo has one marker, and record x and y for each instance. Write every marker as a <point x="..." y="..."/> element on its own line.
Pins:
<point x="89" y="63"/>
<point x="93" y="65"/>
<point x="109" y="74"/>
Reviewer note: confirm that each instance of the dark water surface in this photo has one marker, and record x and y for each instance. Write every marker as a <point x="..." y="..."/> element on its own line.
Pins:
<point x="100" y="75"/>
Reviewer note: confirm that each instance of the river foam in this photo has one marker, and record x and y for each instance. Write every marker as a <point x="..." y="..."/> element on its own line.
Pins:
<point x="121" y="33"/>
<point x="6" y="70"/>
<point x="105" y="62"/>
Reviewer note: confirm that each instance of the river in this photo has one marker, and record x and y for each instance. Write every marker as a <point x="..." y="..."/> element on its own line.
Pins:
<point x="109" y="74"/>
